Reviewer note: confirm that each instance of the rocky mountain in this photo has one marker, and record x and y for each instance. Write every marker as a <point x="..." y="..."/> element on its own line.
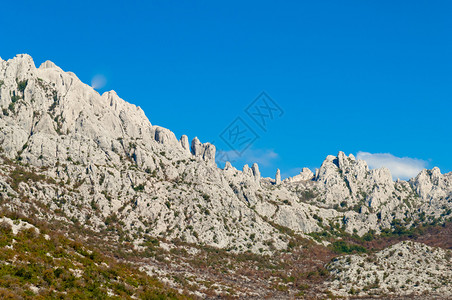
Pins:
<point x="406" y="267"/>
<point x="71" y="155"/>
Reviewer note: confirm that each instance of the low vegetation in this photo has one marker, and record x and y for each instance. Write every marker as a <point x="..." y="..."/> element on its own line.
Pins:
<point x="48" y="265"/>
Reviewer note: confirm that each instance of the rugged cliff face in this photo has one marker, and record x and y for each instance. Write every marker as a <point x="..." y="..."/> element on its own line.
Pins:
<point x="96" y="160"/>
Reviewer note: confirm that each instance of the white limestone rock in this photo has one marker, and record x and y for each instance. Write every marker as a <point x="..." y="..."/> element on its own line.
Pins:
<point x="431" y="184"/>
<point x="123" y="164"/>
<point x="256" y="173"/>
<point x="305" y="174"/>
<point x="165" y="136"/>
<point x="204" y="151"/>
<point x="228" y="166"/>
<point x="278" y="177"/>
<point x="406" y="268"/>
<point x="184" y="143"/>
<point x="247" y="171"/>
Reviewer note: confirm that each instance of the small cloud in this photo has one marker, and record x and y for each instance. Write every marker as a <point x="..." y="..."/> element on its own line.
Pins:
<point x="221" y="157"/>
<point x="263" y="157"/>
<point x="400" y="167"/>
<point x="98" y="81"/>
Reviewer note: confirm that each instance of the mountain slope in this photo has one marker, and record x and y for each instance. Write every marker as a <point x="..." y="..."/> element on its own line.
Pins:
<point x="406" y="267"/>
<point x="95" y="163"/>
<point x="35" y="264"/>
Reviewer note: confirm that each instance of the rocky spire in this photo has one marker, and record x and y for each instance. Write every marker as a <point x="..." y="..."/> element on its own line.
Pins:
<point x="278" y="177"/>
<point x="196" y="147"/>
<point x="227" y="166"/>
<point x="164" y="136"/>
<point x="209" y="153"/>
<point x="430" y="184"/>
<point x="342" y="160"/>
<point x="205" y="151"/>
<point x="256" y="173"/>
<point x="184" y="142"/>
<point x="305" y="174"/>
<point x="247" y="171"/>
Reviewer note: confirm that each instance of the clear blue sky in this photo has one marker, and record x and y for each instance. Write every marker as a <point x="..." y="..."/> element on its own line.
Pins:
<point x="373" y="76"/>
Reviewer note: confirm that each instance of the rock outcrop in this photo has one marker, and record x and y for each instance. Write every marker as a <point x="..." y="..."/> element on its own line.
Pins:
<point x="278" y="177"/>
<point x="305" y="174"/>
<point x="119" y="160"/>
<point x="431" y="185"/>
<point x="184" y="143"/>
<point x="50" y="117"/>
<point x="407" y="268"/>
<point x="71" y="154"/>
<point x="256" y="173"/>
<point x="205" y="151"/>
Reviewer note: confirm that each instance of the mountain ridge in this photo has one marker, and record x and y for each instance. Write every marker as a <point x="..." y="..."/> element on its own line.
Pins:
<point x="98" y="162"/>
<point x="82" y="126"/>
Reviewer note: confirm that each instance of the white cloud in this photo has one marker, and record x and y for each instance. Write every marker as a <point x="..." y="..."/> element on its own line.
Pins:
<point x="263" y="157"/>
<point x="98" y="81"/>
<point x="400" y="167"/>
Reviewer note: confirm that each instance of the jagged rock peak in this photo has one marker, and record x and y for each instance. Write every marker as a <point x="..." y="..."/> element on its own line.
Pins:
<point x="47" y="65"/>
<point x="305" y="174"/>
<point x="341" y="162"/>
<point x="205" y="151"/>
<point x="112" y="99"/>
<point x="330" y="158"/>
<point x="227" y="166"/>
<point x="344" y="161"/>
<point x="343" y="177"/>
<point x="209" y="153"/>
<point x="436" y="173"/>
<point x="247" y="171"/>
<point x="278" y="177"/>
<point x="55" y="104"/>
<point x="196" y="147"/>
<point x="184" y="142"/>
<point x="18" y="67"/>
<point x="24" y="57"/>
<point x="165" y="136"/>
<point x="430" y="184"/>
<point x="256" y="173"/>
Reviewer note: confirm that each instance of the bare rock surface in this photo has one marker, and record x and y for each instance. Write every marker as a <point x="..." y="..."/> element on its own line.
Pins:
<point x="405" y="268"/>
<point x="95" y="158"/>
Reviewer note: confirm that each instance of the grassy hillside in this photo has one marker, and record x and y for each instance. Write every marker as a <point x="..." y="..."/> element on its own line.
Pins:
<point x="35" y="264"/>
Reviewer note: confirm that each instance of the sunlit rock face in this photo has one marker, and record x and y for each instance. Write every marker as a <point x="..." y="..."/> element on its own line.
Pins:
<point x="114" y="159"/>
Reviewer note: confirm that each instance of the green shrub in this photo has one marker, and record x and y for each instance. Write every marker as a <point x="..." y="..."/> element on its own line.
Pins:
<point x="14" y="97"/>
<point x="344" y="247"/>
<point x="21" y="85"/>
<point x="139" y="188"/>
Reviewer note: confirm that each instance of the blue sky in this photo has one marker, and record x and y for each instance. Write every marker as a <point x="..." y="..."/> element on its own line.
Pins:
<point x="357" y="76"/>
